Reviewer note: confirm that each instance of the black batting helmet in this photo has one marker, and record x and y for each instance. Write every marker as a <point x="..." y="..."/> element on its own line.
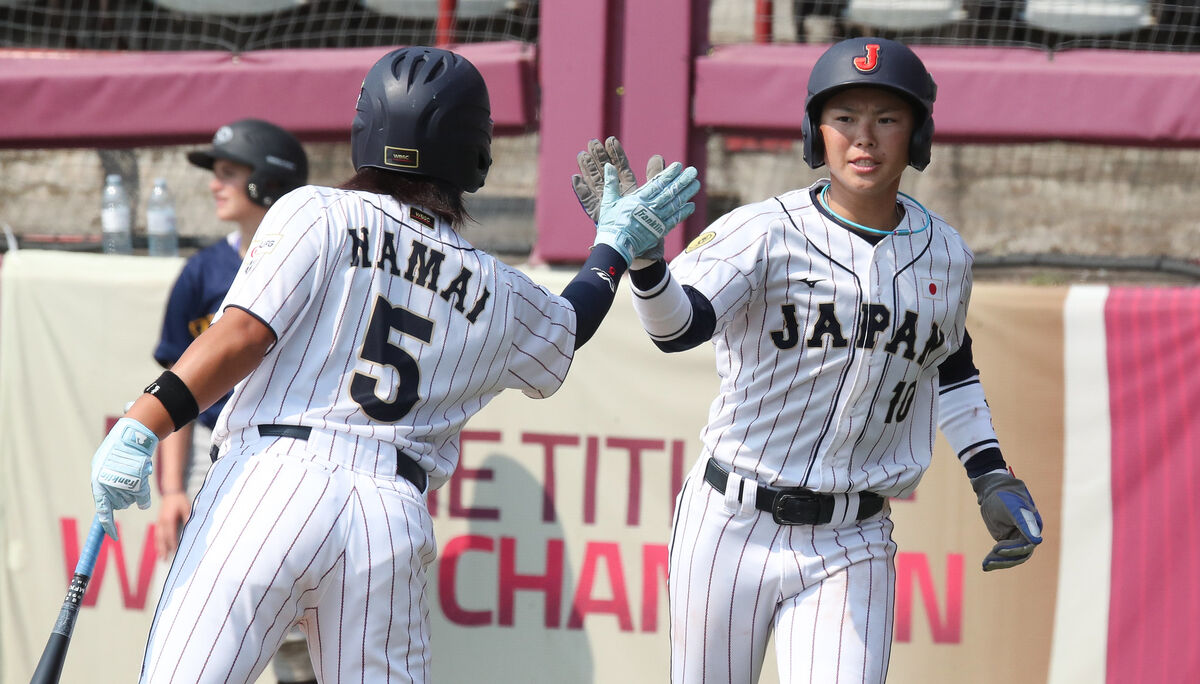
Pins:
<point x="875" y="62"/>
<point x="276" y="157"/>
<point x="424" y="111"/>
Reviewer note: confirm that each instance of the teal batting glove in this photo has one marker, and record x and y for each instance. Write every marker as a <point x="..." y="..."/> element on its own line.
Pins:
<point x="121" y="470"/>
<point x="633" y="224"/>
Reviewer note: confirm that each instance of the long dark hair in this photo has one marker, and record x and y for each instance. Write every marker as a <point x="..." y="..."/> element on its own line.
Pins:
<point x="432" y="194"/>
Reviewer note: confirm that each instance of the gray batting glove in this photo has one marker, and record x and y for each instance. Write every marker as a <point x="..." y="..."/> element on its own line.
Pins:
<point x="633" y="224"/>
<point x="589" y="185"/>
<point x="1011" y="518"/>
<point x="121" y="470"/>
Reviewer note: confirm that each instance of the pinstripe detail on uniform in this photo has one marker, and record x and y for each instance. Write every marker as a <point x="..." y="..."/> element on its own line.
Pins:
<point x="520" y="335"/>
<point x="224" y="571"/>
<point x="737" y="576"/>
<point x="827" y="346"/>
<point x="855" y="410"/>
<point x="852" y="278"/>
<point x="339" y="559"/>
<point x="564" y="356"/>
<point x="427" y="330"/>
<point x="900" y="274"/>
<point x="256" y="317"/>
<point x="263" y="654"/>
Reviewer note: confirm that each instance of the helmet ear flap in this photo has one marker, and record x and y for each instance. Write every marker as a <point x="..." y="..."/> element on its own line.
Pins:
<point x="814" y="146"/>
<point x="263" y="189"/>
<point x="920" y="149"/>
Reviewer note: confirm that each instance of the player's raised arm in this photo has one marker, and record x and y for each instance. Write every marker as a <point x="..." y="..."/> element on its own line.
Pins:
<point x="630" y="221"/>
<point x="675" y="318"/>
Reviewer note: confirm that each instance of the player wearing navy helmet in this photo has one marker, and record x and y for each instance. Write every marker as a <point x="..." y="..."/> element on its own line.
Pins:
<point x="253" y="163"/>
<point x="362" y="332"/>
<point x="838" y="317"/>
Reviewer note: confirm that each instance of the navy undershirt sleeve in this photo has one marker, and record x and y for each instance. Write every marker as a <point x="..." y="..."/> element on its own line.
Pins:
<point x="959" y="366"/>
<point x="591" y="292"/>
<point x="704" y="321"/>
<point x="959" y="369"/>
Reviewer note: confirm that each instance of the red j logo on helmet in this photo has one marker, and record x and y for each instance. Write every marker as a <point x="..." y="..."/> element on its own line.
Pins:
<point x="870" y="61"/>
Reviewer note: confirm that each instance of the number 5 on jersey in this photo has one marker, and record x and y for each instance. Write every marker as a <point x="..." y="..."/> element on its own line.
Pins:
<point x="377" y="348"/>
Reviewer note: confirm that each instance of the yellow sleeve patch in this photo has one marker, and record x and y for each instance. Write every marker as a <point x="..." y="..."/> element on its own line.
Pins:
<point x="701" y="240"/>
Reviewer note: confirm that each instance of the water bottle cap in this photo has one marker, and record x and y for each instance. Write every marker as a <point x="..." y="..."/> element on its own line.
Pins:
<point x="160" y="181"/>
<point x="112" y="178"/>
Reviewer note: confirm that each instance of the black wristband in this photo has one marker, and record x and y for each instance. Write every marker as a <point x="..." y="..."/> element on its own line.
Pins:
<point x="175" y="397"/>
<point x="985" y="462"/>
<point x="647" y="278"/>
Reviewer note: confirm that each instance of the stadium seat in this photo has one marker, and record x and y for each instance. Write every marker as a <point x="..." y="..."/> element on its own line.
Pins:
<point x="428" y="9"/>
<point x="1087" y="17"/>
<point x="904" y="14"/>
<point x="229" y="7"/>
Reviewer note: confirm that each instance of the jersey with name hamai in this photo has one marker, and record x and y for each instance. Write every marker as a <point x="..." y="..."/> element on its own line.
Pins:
<point x="389" y="325"/>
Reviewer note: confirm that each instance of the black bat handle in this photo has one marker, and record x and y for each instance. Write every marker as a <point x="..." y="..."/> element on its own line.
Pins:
<point x="49" y="668"/>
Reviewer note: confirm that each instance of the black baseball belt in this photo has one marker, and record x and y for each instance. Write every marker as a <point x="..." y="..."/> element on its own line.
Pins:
<point x="794" y="505"/>
<point x="406" y="467"/>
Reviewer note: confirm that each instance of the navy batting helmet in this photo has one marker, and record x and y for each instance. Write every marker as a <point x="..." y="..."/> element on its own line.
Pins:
<point x="875" y="62"/>
<point x="424" y="111"/>
<point x="276" y="157"/>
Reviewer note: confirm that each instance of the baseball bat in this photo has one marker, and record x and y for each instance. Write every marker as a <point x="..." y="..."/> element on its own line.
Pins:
<point x="49" y="668"/>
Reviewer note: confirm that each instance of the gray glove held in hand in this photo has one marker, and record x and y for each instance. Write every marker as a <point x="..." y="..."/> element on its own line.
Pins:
<point x="589" y="185"/>
<point x="121" y="470"/>
<point x="1011" y="518"/>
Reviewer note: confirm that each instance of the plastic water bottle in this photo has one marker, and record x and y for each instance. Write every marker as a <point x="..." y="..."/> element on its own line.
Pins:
<point x="162" y="235"/>
<point x="116" y="217"/>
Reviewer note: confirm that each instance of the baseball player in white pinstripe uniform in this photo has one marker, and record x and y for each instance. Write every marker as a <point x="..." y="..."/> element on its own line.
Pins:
<point x="837" y="313"/>
<point x="362" y="332"/>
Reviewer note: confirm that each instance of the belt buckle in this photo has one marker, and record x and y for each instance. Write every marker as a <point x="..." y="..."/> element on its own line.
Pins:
<point x="789" y="507"/>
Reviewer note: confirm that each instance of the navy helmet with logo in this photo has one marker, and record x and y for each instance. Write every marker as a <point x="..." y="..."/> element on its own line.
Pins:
<point x="424" y="111"/>
<point x="877" y="62"/>
<point x="278" y="160"/>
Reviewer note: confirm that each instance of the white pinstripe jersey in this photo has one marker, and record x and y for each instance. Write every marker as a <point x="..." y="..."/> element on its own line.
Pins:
<point x="827" y="347"/>
<point x="390" y="326"/>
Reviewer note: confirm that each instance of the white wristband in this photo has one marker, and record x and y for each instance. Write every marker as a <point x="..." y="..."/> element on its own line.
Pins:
<point x="965" y="419"/>
<point x="664" y="310"/>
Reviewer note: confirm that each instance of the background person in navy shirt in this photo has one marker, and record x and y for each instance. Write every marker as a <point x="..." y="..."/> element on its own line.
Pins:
<point x="253" y="164"/>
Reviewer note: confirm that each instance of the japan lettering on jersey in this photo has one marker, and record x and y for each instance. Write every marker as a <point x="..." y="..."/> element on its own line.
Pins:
<point x="390" y="326"/>
<point x="827" y="346"/>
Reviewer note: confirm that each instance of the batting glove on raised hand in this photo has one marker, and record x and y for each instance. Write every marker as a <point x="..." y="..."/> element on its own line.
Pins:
<point x="589" y="185"/>
<point x="1012" y="519"/>
<point x="121" y="470"/>
<point x="634" y="224"/>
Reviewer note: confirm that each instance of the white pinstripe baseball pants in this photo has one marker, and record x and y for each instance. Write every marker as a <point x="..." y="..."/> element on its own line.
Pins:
<point x="827" y="592"/>
<point x="278" y="539"/>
